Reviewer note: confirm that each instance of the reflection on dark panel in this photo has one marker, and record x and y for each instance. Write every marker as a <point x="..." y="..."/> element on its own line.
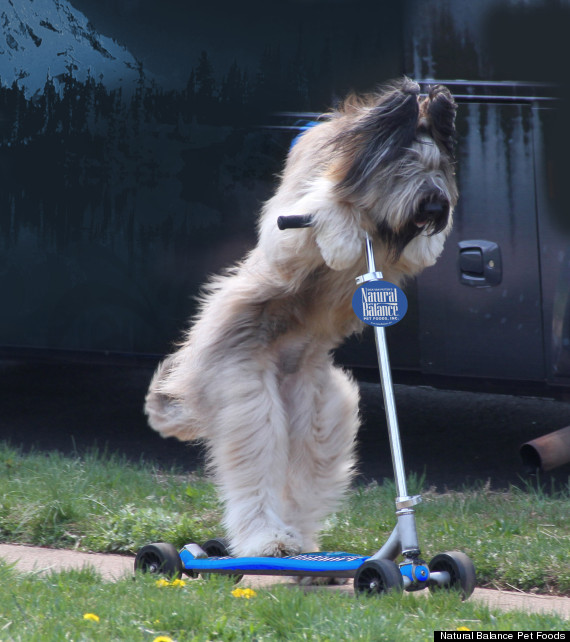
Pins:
<point x="132" y="171"/>
<point x="553" y="220"/>
<point x="494" y="330"/>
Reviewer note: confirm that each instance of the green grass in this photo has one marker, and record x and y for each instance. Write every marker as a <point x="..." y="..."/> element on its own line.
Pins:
<point x="100" y="503"/>
<point x="52" y="608"/>
<point x="516" y="539"/>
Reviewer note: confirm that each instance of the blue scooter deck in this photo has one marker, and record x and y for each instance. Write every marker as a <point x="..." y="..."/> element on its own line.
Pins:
<point x="308" y="564"/>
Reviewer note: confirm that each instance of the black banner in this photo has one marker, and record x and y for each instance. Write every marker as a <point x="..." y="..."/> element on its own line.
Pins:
<point x="501" y="635"/>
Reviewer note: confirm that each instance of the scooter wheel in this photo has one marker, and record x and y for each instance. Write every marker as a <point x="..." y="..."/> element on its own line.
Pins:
<point x="219" y="547"/>
<point x="376" y="577"/>
<point x="461" y="572"/>
<point x="160" y="559"/>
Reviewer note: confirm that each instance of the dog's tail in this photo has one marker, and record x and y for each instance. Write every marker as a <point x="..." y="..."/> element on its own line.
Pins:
<point x="167" y="415"/>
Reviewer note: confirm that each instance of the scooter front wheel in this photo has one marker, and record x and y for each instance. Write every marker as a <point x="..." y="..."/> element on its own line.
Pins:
<point x="460" y="569"/>
<point x="376" y="577"/>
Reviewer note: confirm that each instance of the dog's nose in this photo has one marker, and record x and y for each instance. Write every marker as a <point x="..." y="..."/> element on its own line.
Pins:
<point x="434" y="213"/>
<point x="434" y="209"/>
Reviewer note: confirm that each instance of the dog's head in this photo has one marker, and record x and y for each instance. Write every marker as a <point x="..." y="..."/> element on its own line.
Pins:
<point x="393" y="159"/>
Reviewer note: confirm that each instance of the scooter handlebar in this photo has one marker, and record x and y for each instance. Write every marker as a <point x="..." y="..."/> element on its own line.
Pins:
<point x="294" y="221"/>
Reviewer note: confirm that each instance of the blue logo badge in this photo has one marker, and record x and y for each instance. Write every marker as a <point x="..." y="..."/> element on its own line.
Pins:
<point x="379" y="303"/>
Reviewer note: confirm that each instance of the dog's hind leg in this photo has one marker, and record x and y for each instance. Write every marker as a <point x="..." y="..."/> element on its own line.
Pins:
<point x="324" y="423"/>
<point x="248" y="456"/>
<point x="167" y="415"/>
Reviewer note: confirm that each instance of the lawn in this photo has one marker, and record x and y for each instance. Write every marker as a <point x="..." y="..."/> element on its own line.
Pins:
<point x="518" y="538"/>
<point x="54" y="608"/>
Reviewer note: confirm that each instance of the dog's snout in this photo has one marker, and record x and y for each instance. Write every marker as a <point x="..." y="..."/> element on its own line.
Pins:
<point x="434" y="209"/>
<point x="433" y="213"/>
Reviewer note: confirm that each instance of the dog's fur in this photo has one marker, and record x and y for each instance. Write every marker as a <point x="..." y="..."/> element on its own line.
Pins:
<point x="254" y="377"/>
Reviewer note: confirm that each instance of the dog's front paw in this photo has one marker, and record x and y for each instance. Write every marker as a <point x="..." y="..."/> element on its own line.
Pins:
<point x="282" y="547"/>
<point x="271" y="543"/>
<point x="340" y="247"/>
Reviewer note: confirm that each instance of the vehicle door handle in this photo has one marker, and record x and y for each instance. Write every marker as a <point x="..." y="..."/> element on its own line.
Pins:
<point x="480" y="264"/>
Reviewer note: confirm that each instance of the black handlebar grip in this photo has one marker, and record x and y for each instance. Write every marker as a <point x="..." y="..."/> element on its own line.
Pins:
<point x="294" y="221"/>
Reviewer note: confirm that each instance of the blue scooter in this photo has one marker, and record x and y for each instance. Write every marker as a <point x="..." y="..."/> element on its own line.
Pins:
<point x="374" y="574"/>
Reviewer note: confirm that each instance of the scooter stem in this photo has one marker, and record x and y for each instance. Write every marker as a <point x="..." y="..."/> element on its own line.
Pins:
<point x="388" y="392"/>
<point x="406" y="529"/>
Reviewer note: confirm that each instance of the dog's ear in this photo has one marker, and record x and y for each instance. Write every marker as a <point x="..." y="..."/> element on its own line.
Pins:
<point x="377" y="133"/>
<point x="437" y="115"/>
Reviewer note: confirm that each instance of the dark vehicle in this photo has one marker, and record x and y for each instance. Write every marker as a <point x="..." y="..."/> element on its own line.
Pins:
<point x="116" y="205"/>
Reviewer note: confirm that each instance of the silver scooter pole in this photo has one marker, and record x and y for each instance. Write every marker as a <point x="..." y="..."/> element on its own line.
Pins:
<point x="404" y="538"/>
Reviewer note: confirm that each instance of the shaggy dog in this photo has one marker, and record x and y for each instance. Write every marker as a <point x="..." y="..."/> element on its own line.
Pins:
<point x="254" y="378"/>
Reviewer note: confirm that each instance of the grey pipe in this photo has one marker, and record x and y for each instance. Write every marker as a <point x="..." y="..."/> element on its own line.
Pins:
<point x="547" y="452"/>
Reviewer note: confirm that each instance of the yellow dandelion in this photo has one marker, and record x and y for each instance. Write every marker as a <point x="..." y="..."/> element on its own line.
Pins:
<point x="463" y="628"/>
<point x="91" y="617"/>
<point x="163" y="638"/>
<point x="246" y="593"/>
<point x="162" y="582"/>
<point x="178" y="583"/>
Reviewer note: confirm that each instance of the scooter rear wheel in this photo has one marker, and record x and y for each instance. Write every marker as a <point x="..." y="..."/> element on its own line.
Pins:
<point x="376" y="577"/>
<point x="161" y="559"/>
<point x="219" y="547"/>
<point x="216" y="547"/>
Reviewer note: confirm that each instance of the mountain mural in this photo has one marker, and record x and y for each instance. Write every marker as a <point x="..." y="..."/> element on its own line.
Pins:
<point x="41" y="39"/>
